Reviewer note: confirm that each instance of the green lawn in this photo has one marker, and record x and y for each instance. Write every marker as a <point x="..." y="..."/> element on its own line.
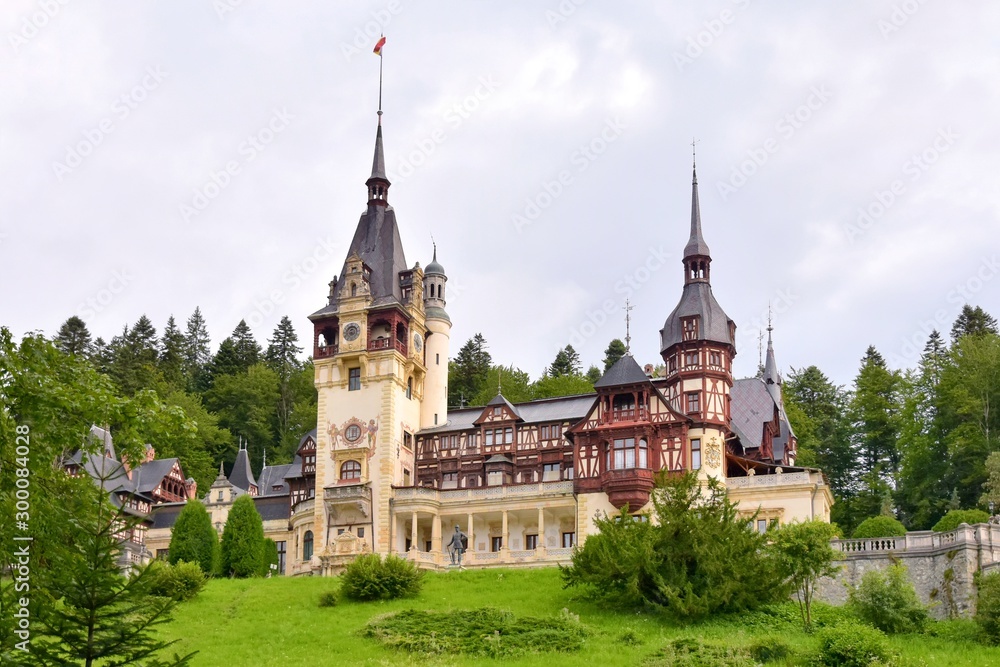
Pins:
<point x="278" y="622"/>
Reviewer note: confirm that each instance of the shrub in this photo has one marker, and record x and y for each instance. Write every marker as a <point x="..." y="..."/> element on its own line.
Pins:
<point x="688" y="652"/>
<point x="697" y="556"/>
<point x="368" y="577"/>
<point x="953" y="518"/>
<point x="886" y="600"/>
<point x="852" y="644"/>
<point x="328" y="599"/>
<point x="769" y="649"/>
<point x="242" y="551"/>
<point x="988" y="607"/>
<point x="879" y="526"/>
<point x="270" y="553"/>
<point x="804" y="555"/>
<point x="486" y="632"/>
<point x="193" y="538"/>
<point x="181" y="581"/>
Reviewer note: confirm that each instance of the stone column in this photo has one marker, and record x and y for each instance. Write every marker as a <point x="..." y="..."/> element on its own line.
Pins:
<point x="540" y="550"/>
<point x="504" y="539"/>
<point x="436" y="546"/>
<point x="469" y="554"/>
<point x="413" y="533"/>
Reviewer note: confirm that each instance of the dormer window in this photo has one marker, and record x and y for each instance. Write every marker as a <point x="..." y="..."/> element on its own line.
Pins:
<point x="689" y="326"/>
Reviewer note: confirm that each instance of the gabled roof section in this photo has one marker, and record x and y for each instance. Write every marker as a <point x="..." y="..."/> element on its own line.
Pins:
<point x="507" y="411"/>
<point x="624" y="371"/>
<point x="311" y="435"/>
<point x="149" y="475"/>
<point x="752" y="407"/>
<point x="559" y="409"/>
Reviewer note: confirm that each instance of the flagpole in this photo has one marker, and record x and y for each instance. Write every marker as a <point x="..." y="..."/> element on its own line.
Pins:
<point x="380" y="86"/>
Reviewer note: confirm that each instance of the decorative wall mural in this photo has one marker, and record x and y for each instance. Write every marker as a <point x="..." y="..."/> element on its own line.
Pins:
<point x="351" y="432"/>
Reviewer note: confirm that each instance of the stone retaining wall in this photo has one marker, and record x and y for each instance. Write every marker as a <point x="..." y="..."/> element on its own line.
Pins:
<point x="940" y="565"/>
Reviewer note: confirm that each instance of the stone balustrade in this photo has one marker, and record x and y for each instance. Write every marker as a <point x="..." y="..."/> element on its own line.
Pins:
<point x="505" y="492"/>
<point x="781" y="479"/>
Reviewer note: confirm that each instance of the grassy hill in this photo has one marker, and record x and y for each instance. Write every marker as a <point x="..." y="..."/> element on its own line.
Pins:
<point x="279" y="622"/>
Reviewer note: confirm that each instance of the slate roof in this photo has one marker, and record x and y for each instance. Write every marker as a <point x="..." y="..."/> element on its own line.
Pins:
<point x="696" y="243"/>
<point x="310" y="434"/>
<point x="272" y="507"/>
<point x="697" y="299"/>
<point x="563" y="408"/>
<point x="274" y="475"/>
<point x="378" y="161"/>
<point x="434" y="269"/>
<point x="242" y="476"/>
<point x="165" y="515"/>
<point x="500" y="400"/>
<point x="752" y="406"/>
<point x="148" y="476"/>
<point x="624" y="371"/>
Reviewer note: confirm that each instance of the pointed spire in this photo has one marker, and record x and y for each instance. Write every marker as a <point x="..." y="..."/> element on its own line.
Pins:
<point x="378" y="182"/>
<point x="771" y="376"/>
<point x="696" y="243"/>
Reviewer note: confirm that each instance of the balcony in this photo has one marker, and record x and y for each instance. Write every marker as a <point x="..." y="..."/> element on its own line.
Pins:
<point x="625" y="415"/>
<point x="359" y="495"/>
<point x="387" y="344"/>
<point x="503" y="492"/>
<point x="757" y="481"/>
<point x="629" y="486"/>
<point x="324" y="351"/>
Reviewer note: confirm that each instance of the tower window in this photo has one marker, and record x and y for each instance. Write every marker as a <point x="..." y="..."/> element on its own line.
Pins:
<point x="409" y="387"/>
<point x="694" y="402"/>
<point x="715" y="358"/>
<point x="690" y="328"/>
<point x="695" y="453"/>
<point x="307" y="545"/>
<point x="354" y="289"/>
<point x="354" y="379"/>
<point x="690" y="359"/>
<point x="437" y="359"/>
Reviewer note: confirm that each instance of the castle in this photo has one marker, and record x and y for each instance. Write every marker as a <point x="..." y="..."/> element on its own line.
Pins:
<point x="391" y="469"/>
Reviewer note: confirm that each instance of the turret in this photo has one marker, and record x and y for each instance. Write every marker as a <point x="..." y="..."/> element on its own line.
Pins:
<point x="434" y="410"/>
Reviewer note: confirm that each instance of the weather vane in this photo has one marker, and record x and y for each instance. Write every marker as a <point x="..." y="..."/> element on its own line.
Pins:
<point x="628" y="323"/>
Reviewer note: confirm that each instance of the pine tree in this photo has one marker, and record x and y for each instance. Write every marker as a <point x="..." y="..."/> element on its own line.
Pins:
<point x="74" y="338"/>
<point x="467" y="374"/>
<point x="172" y="354"/>
<point x="973" y="322"/>
<point x="593" y="374"/>
<point x="103" y="617"/>
<point x="242" y="553"/>
<point x="874" y="415"/>
<point x="282" y="358"/>
<point x="247" y="349"/>
<point x="616" y="350"/>
<point x="567" y="362"/>
<point x="100" y="356"/>
<point x="193" y="538"/>
<point x="197" y="355"/>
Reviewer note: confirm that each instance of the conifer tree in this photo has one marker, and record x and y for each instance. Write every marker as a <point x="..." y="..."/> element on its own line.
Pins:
<point x="172" y="353"/>
<point x="193" y="538"/>
<point x="197" y="355"/>
<point x="247" y="349"/>
<point x="243" y="550"/>
<point x="282" y="357"/>
<point x="616" y="350"/>
<point x="74" y="337"/>
<point x="567" y="362"/>
<point x="467" y="374"/>
<point x="973" y="321"/>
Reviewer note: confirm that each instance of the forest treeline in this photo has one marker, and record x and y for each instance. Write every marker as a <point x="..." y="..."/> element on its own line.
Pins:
<point x="912" y="443"/>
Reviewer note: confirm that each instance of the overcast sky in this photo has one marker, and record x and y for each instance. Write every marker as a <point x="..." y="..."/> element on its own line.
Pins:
<point x="158" y="156"/>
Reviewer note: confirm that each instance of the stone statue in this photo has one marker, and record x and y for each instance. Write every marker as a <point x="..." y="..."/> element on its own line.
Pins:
<point x="457" y="546"/>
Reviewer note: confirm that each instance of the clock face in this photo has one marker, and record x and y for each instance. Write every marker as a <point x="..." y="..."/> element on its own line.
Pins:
<point x="418" y="342"/>
<point x="351" y="331"/>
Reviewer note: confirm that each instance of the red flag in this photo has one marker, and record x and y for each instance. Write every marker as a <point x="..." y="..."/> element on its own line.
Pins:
<point x="379" y="45"/>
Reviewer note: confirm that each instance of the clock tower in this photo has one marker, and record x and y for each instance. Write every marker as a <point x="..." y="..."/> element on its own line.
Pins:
<point x="376" y="370"/>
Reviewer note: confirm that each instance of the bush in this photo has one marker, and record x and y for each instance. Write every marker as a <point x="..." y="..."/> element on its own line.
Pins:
<point x="328" y="599"/>
<point x="852" y="644"/>
<point x="368" y="577"/>
<point x="696" y="557"/>
<point x="193" y="538"/>
<point x="769" y="649"/>
<point x="695" y="653"/>
<point x="886" y="600"/>
<point x="181" y="581"/>
<point x="988" y="607"/>
<point x="242" y="550"/>
<point x="486" y="632"/>
<point x="879" y="526"/>
<point x="952" y="519"/>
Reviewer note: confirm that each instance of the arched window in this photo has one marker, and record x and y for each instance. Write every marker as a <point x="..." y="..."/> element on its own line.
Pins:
<point x="354" y="289"/>
<point x="409" y="387"/>
<point x="350" y="470"/>
<point x="643" y="454"/>
<point x="307" y="545"/>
